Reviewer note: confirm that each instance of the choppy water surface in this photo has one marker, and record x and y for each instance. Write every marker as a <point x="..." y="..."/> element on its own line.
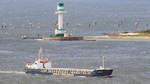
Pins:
<point x="129" y="58"/>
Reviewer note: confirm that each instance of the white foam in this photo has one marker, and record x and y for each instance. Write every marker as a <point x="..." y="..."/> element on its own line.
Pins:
<point x="12" y="72"/>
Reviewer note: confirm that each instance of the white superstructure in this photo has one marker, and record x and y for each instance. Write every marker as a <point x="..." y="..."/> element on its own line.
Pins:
<point x="40" y="63"/>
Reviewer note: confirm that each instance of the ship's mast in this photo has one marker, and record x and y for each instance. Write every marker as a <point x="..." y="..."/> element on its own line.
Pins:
<point x="103" y="61"/>
<point x="40" y="53"/>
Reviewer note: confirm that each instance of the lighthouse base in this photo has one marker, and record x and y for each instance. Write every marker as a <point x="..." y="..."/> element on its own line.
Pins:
<point x="59" y="35"/>
<point x="60" y="32"/>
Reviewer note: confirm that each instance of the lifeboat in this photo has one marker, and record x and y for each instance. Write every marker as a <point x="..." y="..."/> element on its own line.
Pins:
<point x="44" y="60"/>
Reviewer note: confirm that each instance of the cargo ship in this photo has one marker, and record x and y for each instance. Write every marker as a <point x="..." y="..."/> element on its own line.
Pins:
<point x="43" y="66"/>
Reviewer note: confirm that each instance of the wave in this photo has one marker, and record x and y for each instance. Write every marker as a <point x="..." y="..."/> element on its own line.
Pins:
<point x="5" y="51"/>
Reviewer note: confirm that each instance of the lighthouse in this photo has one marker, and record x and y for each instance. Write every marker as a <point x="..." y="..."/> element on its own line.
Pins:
<point x="59" y="31"/>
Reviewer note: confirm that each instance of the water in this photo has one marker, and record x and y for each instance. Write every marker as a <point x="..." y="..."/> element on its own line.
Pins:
<point x="129" y="58"/>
